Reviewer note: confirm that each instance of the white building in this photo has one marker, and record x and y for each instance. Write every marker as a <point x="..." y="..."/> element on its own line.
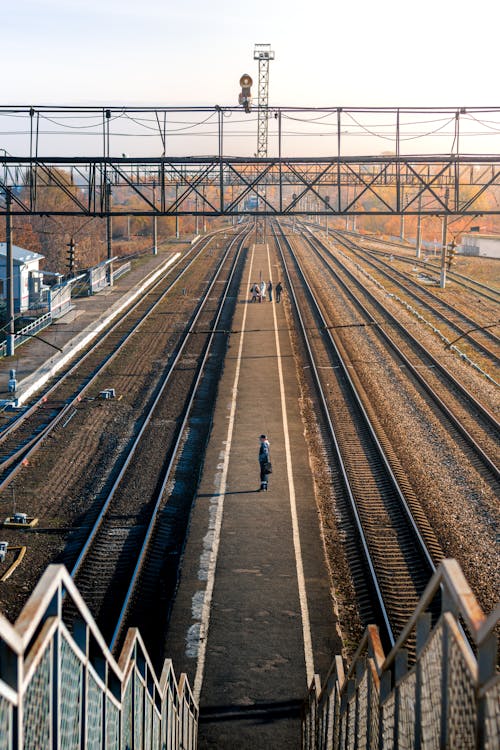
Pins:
<point x="27" y="276"/>
<point x="482" y="245"/>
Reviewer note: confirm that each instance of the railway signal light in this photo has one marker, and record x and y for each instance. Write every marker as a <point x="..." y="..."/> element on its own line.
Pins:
<point x="245" y="98"/>
<point x="452" y="251"/>
<point x="71" y="255"/>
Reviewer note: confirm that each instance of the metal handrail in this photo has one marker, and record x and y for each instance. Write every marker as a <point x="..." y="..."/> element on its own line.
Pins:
<point x="389" y="677"/>
<point x="56" y="680"/>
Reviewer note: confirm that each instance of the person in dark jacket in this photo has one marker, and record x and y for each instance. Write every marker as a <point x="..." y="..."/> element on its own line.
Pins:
<point x="264" y="461"/>
<point x="270" y="290"/>
<point x="278" y="291"/>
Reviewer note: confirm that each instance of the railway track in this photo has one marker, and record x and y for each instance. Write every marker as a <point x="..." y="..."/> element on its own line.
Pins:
<point x="430" y="266"/>
<point x="21" y="438"/>
<point x="476" y="425"/>
<point x="117" y="550"/>
<point x="483" y="341"/>
<point x="390" y="524"/>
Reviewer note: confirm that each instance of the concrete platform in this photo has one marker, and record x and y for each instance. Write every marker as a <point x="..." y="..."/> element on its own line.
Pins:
<point x="253" y="616"/>
<point x="35" y="359"/>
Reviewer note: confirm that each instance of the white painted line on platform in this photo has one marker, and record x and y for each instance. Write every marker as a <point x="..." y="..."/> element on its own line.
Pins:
<point x="304" y="609"/>
<point x="76" y="344"/>
<point x="208" y="562"/>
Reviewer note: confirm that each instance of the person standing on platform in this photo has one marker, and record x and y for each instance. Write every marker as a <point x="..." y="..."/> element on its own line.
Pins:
<point x="278" y="291"/>
<point x="270" y="290"/>
<point x="264" y="462"/>
<point x="263" y="290"/>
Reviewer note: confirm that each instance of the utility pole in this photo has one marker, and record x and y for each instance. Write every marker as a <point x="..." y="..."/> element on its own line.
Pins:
<point x="264" y="55"/>
<point x="204" y="215"/>
<point x="9" y="273"/>
<point x="346" y="214"/>
<point x="176" y="207"/>
<point x="442" y="282"/>
<point x="109" y="233"/>
<point x="419" y="228"/>
<point x="155" y="223"/>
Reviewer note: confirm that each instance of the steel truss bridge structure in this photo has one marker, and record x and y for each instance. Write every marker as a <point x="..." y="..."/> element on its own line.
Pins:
<point x="45" y="169"/>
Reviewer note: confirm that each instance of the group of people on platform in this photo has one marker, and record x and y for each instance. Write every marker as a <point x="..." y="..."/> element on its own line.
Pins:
<point x="258" y="291"/>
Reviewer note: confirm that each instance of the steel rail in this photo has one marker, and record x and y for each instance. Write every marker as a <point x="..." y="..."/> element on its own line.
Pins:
<point x="173" y="458"/>
<point x="13" y="425"/>
<point x="485" y="413"/>
<point x="487" y="292"/>
<point x="196" y="248"/>
<point x="28" y="448"/>
<point x="384" y="462"/>
<point x="331" y="429"/>
<point x="487" y="417"/>
<point x="390" y="273"/>
<point x="106" y="505"/>
<point x="466" y="281"/>
<point x="163" y="383"/>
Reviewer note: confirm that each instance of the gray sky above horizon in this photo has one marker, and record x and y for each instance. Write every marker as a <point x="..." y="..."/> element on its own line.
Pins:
<point x="361" y="53"/>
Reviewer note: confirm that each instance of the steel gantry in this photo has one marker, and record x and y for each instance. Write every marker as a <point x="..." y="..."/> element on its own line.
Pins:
<point x="350" y="180"/>
<point x="221" y="187"/>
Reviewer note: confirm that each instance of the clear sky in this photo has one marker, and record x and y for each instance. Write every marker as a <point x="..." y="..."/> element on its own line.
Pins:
<point x="168" y="52"/>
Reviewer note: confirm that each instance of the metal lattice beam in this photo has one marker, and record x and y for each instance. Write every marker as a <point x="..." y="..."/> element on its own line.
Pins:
<point x="211" y="186"/>
<point x="40" y="180"/>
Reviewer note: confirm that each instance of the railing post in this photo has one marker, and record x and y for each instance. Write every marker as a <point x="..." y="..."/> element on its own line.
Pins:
<point x="445" y="667"/>
<point x="400" y="670"/>
<point x="56" y="689"/>
<point x="80" y="636"/>
<point x="360" y="669"/>
<point x="332" y="720"/>
<point x="423" y="630"/>
<point x="487" y="657"/>
<point x="344" y="720"/>
<point x="371" y="691"/>
<point x="351" y="720"/>
<point x="385" y="691"/>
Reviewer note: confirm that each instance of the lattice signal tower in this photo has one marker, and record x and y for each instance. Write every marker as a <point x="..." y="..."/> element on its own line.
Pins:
<point x="264" y="54"/>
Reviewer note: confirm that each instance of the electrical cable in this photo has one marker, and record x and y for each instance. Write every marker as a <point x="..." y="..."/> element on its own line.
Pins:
<point x="393" y="137"/>
<point x="483" y="122"/>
